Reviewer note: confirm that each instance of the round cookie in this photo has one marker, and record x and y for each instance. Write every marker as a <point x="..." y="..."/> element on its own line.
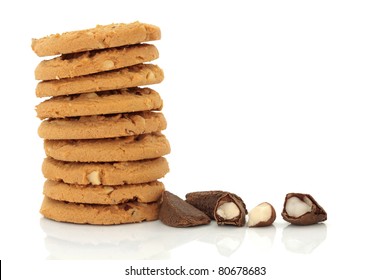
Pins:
<point x="148" y="192"/>
<point x="106" y="102"/>
<point x="130" y="212"/>
<point x="117" y="173"/>
<point x="102" y="126"/>
<point x="100" y="37"/>
<point x="130" y="148"/>
<point x="90" y="62"/>
<point x="133" y="76"/>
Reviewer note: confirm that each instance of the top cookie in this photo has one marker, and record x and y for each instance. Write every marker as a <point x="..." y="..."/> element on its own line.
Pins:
<point x="100" y="37"/>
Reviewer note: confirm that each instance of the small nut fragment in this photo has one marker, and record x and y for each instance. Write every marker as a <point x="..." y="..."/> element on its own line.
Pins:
<point x="150" y="76"/>
<point x="108" y="64"/>
<point x="262" y="215"/>
<point x="89" y="95"/>
<point x="108" y="190"/>
<point x="94" y="178"/>
<point x="302" y="209"/>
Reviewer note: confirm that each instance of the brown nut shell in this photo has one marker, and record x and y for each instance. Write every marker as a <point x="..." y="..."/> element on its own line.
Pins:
<point x="205" y="201"/>
<point x="316" y="215"/>
<point x="175" y="212"/>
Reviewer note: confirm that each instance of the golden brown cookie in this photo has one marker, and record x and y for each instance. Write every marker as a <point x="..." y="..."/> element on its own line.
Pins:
<point x="100" y="37"/>
<point x="130" y="148"/>
<point x="104" y="102"/>
<point x="85" y="63"/>
<point x="133" y="76"/>
<point x="116" y="173"/>
<point x="130" y="212"/>
<point x="102" y="126"/>
<point x="148" y="192"/>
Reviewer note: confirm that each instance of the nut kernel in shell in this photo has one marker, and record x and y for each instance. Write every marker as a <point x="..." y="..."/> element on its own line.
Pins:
<point x="296" y="207"/>
<point x="302" y="209"/>
<point x="228" y="210"/>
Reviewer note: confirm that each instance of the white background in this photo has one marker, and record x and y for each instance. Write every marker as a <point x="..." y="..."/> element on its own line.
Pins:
<point x="262" y="98"/>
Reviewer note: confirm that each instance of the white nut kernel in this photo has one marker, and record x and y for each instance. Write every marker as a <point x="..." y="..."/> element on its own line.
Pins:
<point x="262" y="215"/>
<point x="150" y="76"/>
<point x="108" y="64"/>
<point x="94" y="178"/>
<point x="91" y="95"/>
<point x="108" y="190"/>
<point x="296" y="207"/>
<point x="228" y="211"/>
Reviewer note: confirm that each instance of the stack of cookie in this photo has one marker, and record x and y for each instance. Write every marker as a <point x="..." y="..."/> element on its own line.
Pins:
<point x="102" y="131"/>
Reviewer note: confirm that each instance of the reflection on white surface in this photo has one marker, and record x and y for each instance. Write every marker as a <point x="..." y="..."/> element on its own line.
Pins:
<point x="303" y="239"/>
<point x="150" y="240"/>
<point x="262" y="237"/>
<point x="227" y="239"/>
<point x="155" y="241"/>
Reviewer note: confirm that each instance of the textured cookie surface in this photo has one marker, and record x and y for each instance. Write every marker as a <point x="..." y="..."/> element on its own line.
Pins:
<point x="130" y="148"/>
<point x="117" y="173"/>
<point x="100" y="37"/>
<point x="107" y="126"/>
<point x="133" y="76"/>
<point x="148" y="192"/>
<point x="105" y="102"/>
<point x="79" y="64"/>
<point x="131" y="212"/>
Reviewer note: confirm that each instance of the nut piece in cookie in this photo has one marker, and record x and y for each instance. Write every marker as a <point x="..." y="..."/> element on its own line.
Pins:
<point x="302" y="209"/>
<point x="175" y="212"/>
<point x="94" y="178"/>
<point x="262" y="215"/>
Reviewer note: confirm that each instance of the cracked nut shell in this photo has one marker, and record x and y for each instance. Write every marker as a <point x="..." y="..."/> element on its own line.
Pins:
<point x="175" y="212"/>
<point x="236" y="220"/>
<point x="210" y="201"/>
<point x="315" y="213"/>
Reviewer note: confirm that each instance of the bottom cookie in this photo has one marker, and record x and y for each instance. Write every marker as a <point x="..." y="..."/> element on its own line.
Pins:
<point x="131" y="212"/>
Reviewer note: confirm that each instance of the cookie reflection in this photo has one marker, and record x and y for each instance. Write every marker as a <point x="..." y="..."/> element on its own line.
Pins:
<point x="303" y="239"/>
<point x="149" y="240"/>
